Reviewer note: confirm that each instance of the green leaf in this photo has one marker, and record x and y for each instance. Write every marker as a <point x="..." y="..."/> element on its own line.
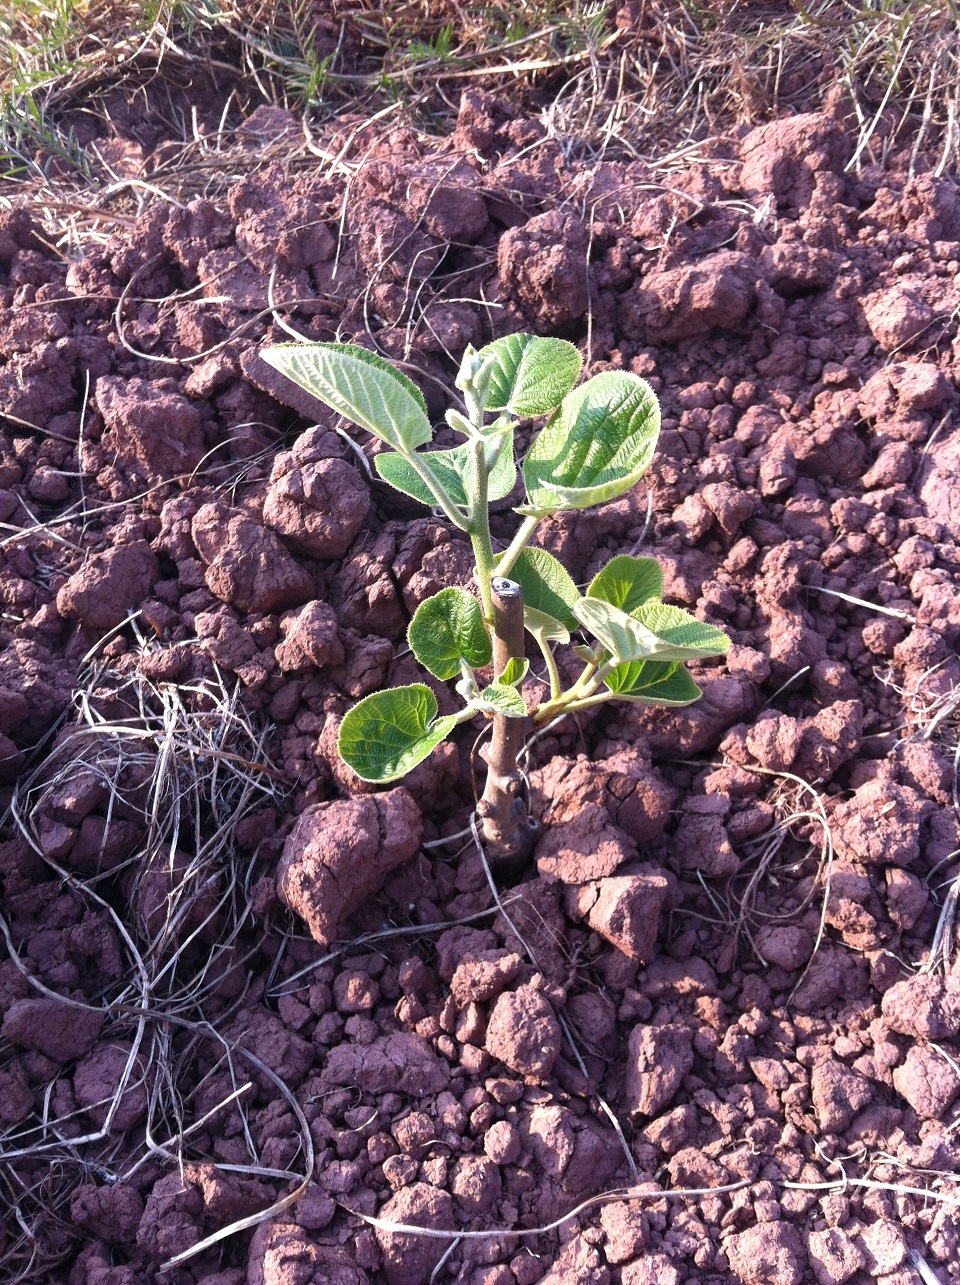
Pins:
<point x="500" y="699"/>
<point x="447" y="631"/>
<point x="515" y="672"/>
<point x="682" y="636"/>
<point x="546" y="629"/>
<point x="628" y="582"/>
<point x="597" y="446"/>
<point x="381" y="363"/>
<point x="623" y="637"/>
<point x="654" y="631"/>
<point x="653" y="682"/>
<point x="528" y="376"/>
<point x="452" y="468"/>
<point x="387" y="734"/>
<point x="546" y="584"/>
<point x="359" y="385"/>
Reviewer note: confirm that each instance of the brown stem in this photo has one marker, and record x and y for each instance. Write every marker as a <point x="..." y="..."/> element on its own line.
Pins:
<point x="507" y="829"/>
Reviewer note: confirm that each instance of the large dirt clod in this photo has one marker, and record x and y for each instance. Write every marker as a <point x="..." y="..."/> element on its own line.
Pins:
<point x="625" y="911"/>
<point x="61" y="1032"/>
<point x="246" y="565"/>
<point x="280" y="1253"/>
<point x="781" y="159"/>
<point x="523" y="1032"/>
<point x="109" y="586"/>
<point x="150" y="428"/>
<point x="338" y="854"/>
<point x="636" y="797"/>
<point x="543" y="269"/>
<point x="681" y="303"/>
<point x="767" y="1252"/>
<point x="409" y="1259"/>
<point x="316" y="501"/>
<point x="311" y="640"/>
<point x="586" y="848"/>
<point x="658" y="1057"/>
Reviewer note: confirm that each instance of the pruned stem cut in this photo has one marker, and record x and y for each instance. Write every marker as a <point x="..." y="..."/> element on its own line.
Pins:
<point x="505" y="825"/>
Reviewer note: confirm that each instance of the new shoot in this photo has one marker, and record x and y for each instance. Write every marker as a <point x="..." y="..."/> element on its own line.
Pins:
<point x="596" y="443"/>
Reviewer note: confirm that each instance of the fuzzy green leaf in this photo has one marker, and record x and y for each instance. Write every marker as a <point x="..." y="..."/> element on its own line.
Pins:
<point x="597" y="446"/>
<point x="628" y="582"/>
<point x="654" y="631"/>
<point x="528" y="376"/>
<point x="387" y="734"/>
<point x="682" y="636"/>
<point x="501" y="699"/>
<point x="623" y="637"/>
<point x="452" y="468"/>
<point x="359" y="385"/>
<point x="546" y="584"/>
<point x="546" y="629"/>
<point x="515" y="672"/>
<point x="447" y="631"/>
<point x="653" y="682"/>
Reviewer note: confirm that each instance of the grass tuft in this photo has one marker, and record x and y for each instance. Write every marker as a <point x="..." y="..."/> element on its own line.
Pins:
<point x="646" y="79"/>
<point x="184" y="765"/>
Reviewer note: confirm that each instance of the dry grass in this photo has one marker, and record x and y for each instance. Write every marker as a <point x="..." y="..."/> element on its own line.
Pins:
<point x="188" y="765"/>
<point x="648" y="79"/>
<point x="794" y="858"/>
<point x="931" y="713"/>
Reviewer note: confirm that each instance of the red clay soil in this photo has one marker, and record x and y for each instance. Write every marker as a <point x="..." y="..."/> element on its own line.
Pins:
<point x="665" y="958"/>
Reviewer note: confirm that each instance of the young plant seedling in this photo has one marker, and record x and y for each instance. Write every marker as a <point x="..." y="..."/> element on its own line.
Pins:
<point x="597" y="442"/>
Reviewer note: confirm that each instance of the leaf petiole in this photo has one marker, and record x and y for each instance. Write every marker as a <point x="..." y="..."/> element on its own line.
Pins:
<point x="600" y="698"/>
<point x="509" y="556"/>
<point x="552" y="670"/>
<point x="437" y="490"/>
<point x="479" y="526"/>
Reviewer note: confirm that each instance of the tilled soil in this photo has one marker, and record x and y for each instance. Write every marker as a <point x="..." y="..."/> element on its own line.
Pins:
<point x="728" y="974"/>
